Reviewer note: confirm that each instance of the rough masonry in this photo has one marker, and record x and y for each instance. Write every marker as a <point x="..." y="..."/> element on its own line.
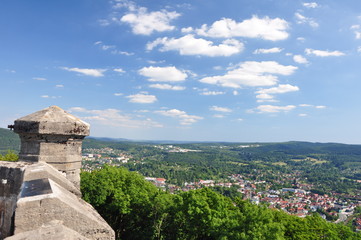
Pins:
<point x="39" y="194"/>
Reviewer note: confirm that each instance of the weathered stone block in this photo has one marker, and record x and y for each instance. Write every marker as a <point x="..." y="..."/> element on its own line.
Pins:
<point x="43" y="170"/>
<point x="34" y="211"/>
<point x="51" y="120"/>
<point x="11" y="178"/>
<point x="53" y="136"/>
<point x="54" y="230"/>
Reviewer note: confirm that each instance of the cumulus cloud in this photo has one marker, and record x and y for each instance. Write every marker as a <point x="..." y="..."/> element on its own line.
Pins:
<point x="167" y="87"/>
<point x="189" y="45"/>
<point x="264" y="28"/>
<point x="184" y="118"/>
<point x="357" y="31"/>
<point x="265" y="95"/>
<point x="87" y="71"/>
<point x="274" y="109"/>
<point x="103" y="46"/>
<point x="305" y="105"/>
<point x="119" y="70"/>
<point x="47" y="96"/>
<point x="220" y="109"/>
<point x="212" y="93"/>
<point x="282" y="88"/>
<point x="321" y="53"/>
<point x="252" y="74"/>
<point x="163" y="74"/>
<point x="142" y="97"/>
<point x="112" y="49"/>
<point x="300" y="59"/>
<point x="305" y="20"/>
<point x="310" y="5"/>
<point x="270" y="50"/>
<point x="59" y="86"/>
<point x="118" y="94"/>
<point x="39" y="78"/>
<point x="313" y="106"/>
<point x="114" y="117"/>
<point x="145" y="23"/>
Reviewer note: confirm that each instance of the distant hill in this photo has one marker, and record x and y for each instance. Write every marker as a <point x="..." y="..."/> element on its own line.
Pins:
<point x="8" y="141"/>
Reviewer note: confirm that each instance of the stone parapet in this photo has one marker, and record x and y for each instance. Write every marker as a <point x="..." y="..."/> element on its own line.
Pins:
<point x="40" y="195"/>
<point x="53" y="136"/>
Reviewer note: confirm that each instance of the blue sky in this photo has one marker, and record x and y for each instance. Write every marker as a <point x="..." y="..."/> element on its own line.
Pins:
<point x="235" y="70"/>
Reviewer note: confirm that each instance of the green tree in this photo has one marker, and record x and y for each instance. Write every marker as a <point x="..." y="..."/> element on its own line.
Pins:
<point x="125" y="200"/>
<point x="10" y="156"/>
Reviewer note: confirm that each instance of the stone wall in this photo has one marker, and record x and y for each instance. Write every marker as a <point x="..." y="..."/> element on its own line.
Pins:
<point x="40" y="196"/>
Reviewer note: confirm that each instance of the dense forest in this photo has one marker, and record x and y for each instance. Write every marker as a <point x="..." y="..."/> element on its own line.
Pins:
<point x="138" y="210"/>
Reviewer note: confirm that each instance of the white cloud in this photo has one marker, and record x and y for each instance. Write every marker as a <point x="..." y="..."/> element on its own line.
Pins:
<point x="167" y="87"/>
<point x="301" y="39"/>
<point x="59" y="86"/>
<point x="145" y="23"/>
<point x="118" y="94"/>
<point x="252" y="74"/>
<point x="264" y="95"/>
<point x="39" y="78"/>
<point x="104" y="22"/>
<point x="357" y="34"/>
<point x="142" y="97"/>
<point x="235" y="93"/>
<point x="87" y="71"/>
<point x="119" y="70"/>
<point x="300" y="59"/>
<point x="183" y="117"/>
<point x="265" y="28"/>
<point x="320" y="53"/>
<point x="218" y="116"/>
<point x="310" y="5"/>
<point x="122" y="53"/>
<point x="313" y="106"/>
<point x="189" y="45"/>
<point x="282" y="88"/>
<point x="220" y="109"/>
<point x="212" y="93"/>
<point x="217" y="67"/>
<point x="113" y="117"/>
<point x="355" y="26"/>
<point x="163" y="74"/>
<point x="359" y="49"/>
<point x="305" y="20"/>
<point x="47" y="96"/>
<point x="265" y="51"/>
<point x="103" y="46"/>
<point x="356" y="31"/>
<point x="302" y="115"/>
<point x="274" y="109"/>
<point x="305" y="105"/>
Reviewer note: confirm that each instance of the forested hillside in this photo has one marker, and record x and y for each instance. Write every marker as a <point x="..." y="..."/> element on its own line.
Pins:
<point x="8" y="141"/>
